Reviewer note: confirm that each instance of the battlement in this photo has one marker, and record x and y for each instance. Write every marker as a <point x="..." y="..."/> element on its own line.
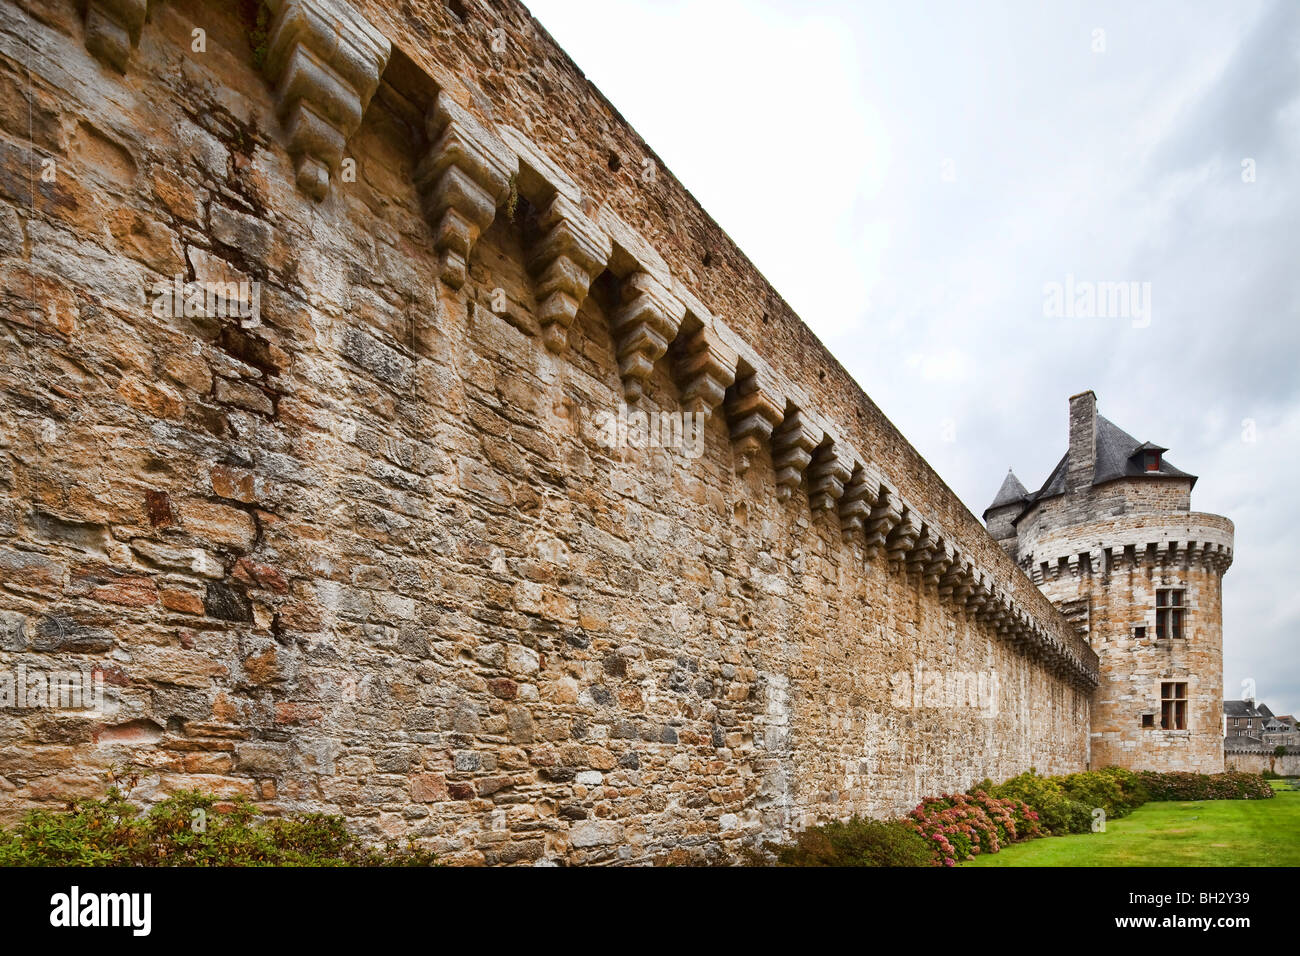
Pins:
<point x="1184" y="540"/>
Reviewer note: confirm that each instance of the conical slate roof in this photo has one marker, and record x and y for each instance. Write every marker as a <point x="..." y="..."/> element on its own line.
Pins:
<point x="1012" y="492"/>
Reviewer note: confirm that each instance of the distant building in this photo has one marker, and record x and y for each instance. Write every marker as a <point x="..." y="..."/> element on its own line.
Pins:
<point x="1249" y="725"/>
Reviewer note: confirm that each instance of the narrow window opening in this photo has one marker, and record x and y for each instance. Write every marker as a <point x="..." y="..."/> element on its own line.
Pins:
<point x="1170" y="612"/>
<point x="1173" y="705"/>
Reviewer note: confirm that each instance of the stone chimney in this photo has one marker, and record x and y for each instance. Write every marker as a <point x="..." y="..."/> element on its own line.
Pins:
<point x="1082" y="461"/>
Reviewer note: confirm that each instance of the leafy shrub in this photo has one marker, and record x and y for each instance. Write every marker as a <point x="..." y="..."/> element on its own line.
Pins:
<point x="1133" y="791"/>
<point x="857" y="842"/>
<point x="1117" y="791"/>
<point x="1232" y="785"/>
<point x="1058" y="812"/>
<point x="189" y="829"/>
<point x="1065" y="804"/>
<point x="950" y="828"/>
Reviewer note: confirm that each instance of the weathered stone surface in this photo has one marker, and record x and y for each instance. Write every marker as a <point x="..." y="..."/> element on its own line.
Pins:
<point x="595" y="833"/>
<point x="643" y="326"/>
<point x="707" y="369"/>
<point x="113" y="29"/>
<point x="793" y="444"/>
<point x="463" y="178"/>
<point x="753" y="411"/>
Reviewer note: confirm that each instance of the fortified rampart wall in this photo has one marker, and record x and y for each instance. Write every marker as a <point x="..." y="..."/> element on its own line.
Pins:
<point x="373" y="545"/>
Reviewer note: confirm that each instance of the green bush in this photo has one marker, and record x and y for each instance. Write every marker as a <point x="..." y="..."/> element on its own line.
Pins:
<point x="1065" y="804"/>
<point x="1232" y="785"/>
<point x="1133" y="791"/>
<point x="857" y="842"/>
<point x="1117" y="791"/>
<point x="189" y="829"/>
<point x="1058" y="812"/>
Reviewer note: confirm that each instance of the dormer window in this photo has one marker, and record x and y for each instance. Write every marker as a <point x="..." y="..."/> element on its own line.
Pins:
<point x="1148" y="458"/>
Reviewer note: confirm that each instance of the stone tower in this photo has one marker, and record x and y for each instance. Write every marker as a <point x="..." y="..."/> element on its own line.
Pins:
<point x="1111" y="539"/>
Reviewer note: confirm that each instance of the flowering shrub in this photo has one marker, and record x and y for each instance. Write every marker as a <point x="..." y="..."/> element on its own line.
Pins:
<point x="961" y="825"/>
<point x="1232" y="785"/>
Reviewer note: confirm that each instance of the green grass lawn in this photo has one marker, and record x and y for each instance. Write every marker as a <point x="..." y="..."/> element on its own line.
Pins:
<point x="1196" y="833"/>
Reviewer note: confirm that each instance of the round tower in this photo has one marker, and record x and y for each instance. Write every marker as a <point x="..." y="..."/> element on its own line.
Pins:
<point x="1111" y="540"/>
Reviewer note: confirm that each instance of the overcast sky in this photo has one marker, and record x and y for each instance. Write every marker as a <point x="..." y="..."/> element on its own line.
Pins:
<point x="959" y="157"/>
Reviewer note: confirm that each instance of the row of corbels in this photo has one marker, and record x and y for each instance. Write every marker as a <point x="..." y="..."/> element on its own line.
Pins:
<point x="325" y="61"/>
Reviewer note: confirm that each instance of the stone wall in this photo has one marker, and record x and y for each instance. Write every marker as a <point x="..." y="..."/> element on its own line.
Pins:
<point x="367" y="548"/>
<point x="1258" y="761"/>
